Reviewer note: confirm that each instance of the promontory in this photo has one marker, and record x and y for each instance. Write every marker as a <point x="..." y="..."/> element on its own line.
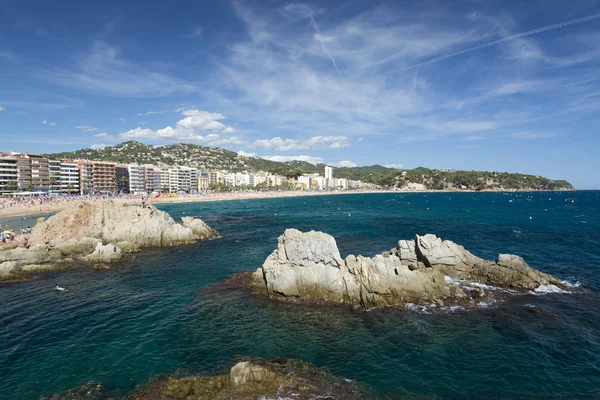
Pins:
<point x="100" y="231"/>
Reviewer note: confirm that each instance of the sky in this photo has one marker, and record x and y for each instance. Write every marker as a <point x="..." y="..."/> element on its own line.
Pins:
<point x="473" y="85"/>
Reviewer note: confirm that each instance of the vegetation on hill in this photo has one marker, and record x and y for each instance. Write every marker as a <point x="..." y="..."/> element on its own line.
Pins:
<point x="216" y="158"/>
<point x="472" y="180"/>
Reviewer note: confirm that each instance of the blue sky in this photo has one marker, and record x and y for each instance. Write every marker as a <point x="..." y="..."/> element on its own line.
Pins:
<point x="488" y="85"/>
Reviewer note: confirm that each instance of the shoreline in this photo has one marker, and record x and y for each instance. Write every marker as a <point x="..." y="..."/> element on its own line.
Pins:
<point x="223" y="196"/>
<point x="220" y="196"/>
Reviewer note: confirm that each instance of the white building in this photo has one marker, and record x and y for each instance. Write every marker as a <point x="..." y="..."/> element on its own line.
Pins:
<point x="8" y="174"/>
<point x="137" y="181"/>
<point x="328" y="176"/>
<point x="54" y="175"/>
<point x="69" y="177"/>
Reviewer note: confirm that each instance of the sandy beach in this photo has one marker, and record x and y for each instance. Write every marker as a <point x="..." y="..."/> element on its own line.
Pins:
<point x="222" y="196"/>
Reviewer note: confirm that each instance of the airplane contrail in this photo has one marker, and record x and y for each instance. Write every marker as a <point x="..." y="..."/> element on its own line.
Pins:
<point x="506" y="39"/>
<point x="307" y="11"/>
<point x="320" y="39"/>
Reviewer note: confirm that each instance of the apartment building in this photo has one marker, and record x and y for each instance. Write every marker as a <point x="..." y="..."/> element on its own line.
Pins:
<point x="33" y="173"/>
<point x="203" y="183"/>
<point x="69" y="177"/>
<point x="54" y="175"/>
<point x="8" y="174"/>
<point x="86" y="176"/>
<point x="104" y="177"/>
<point x="137" y="179"/>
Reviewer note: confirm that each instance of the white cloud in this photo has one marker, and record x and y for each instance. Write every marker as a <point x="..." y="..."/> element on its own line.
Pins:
<point x="98" y="146"/>
<point x="345" y="164"/>
<point x="277" y="143"/>
<point x="2" y="109"/>
<point x="395" y="166"/>
<point x="197" y="126"/>
<point x="242" y="153"/>
<point x="138" y="133"/>
<point x="85" y="128"/>
<point x="123" y="120"/>
<point x="48" y="123"/>
<point x="103" y="135"/>
<point x="310" y="159"/>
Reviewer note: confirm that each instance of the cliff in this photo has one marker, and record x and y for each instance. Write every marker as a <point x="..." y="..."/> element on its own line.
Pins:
<point x="308" y="267"/>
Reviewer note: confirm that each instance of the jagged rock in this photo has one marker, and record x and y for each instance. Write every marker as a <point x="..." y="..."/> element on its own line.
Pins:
<point x="9" y="268"/>
<point x="104" y="254"/>
<point x="308" y="266"/>
<point x="87" y="232"/>
<point x="199" y="227"/>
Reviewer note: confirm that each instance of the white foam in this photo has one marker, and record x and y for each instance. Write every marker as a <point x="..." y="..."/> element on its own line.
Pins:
<point x="545" y="289"/>
<point x="453" y="281"/>
<point x="571" y="284"/>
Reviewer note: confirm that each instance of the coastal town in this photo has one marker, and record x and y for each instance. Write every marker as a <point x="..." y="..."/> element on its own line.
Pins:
<point x="25" y="174"/>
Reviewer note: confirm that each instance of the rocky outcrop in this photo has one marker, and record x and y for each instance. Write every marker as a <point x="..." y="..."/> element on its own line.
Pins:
<point x="248" y="379"/>
<point x="97" y="232"/>
<point x="257" y="378"/>
<point x="308" y="267"/>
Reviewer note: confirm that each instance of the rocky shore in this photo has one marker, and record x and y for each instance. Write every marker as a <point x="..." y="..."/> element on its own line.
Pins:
<point x="96" y="232"/>
<point x="250" y="378"/>
<point x="307" y="267"/>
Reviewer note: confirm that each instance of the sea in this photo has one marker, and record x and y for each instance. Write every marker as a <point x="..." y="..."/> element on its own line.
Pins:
<point x="166" y="312"/>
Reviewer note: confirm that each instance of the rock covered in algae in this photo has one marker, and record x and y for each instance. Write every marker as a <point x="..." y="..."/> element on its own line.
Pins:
<point x="308" y="266"/>
<point x="250" y="378"/>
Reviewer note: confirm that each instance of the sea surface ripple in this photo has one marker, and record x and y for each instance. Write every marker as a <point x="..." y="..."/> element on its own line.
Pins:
<point x="165" y="311"/>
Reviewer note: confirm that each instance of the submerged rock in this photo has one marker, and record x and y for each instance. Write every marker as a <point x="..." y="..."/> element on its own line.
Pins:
<point x="257" y="378"/>
<point x="308" y="267"/>
<point x="89" y="391"/>
<point x="248" y="379"/>
<point x="97" y="232"/>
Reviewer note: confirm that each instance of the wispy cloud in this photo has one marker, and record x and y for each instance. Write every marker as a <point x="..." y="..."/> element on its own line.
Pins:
<point x="104" y="69"/>
<point x="535" y="135"/>
<point x="196" y="33"/>
<point x="345" y="164"/>
<point x="98" y="146"/>
<point x="395" y="166"/>
<point x="506" y="39"/>
<point x="277" y="143"/>
<point x="309" y="159"/>
<point x="150" y="113"/>
<point x="85" y="128"/>
<point x="123" y="120"/>
<point x="2" y="109"/>
<point x="48" y="123"/>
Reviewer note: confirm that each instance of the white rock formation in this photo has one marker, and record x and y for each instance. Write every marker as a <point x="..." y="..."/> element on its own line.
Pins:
<point x="308" y="266"/>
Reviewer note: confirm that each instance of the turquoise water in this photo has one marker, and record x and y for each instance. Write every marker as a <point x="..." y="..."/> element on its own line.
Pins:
<point x="164" y="311"/>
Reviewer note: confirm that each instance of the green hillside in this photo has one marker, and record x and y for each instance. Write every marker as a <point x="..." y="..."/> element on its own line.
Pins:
<point x="216" y="158"/>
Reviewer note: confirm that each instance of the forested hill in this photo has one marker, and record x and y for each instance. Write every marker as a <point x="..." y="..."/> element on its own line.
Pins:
<point x="216" y="158"/>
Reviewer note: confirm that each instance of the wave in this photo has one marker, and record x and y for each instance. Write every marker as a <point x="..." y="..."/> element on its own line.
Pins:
<point x="546" y="289"/>
<point x="571" y="284"/>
